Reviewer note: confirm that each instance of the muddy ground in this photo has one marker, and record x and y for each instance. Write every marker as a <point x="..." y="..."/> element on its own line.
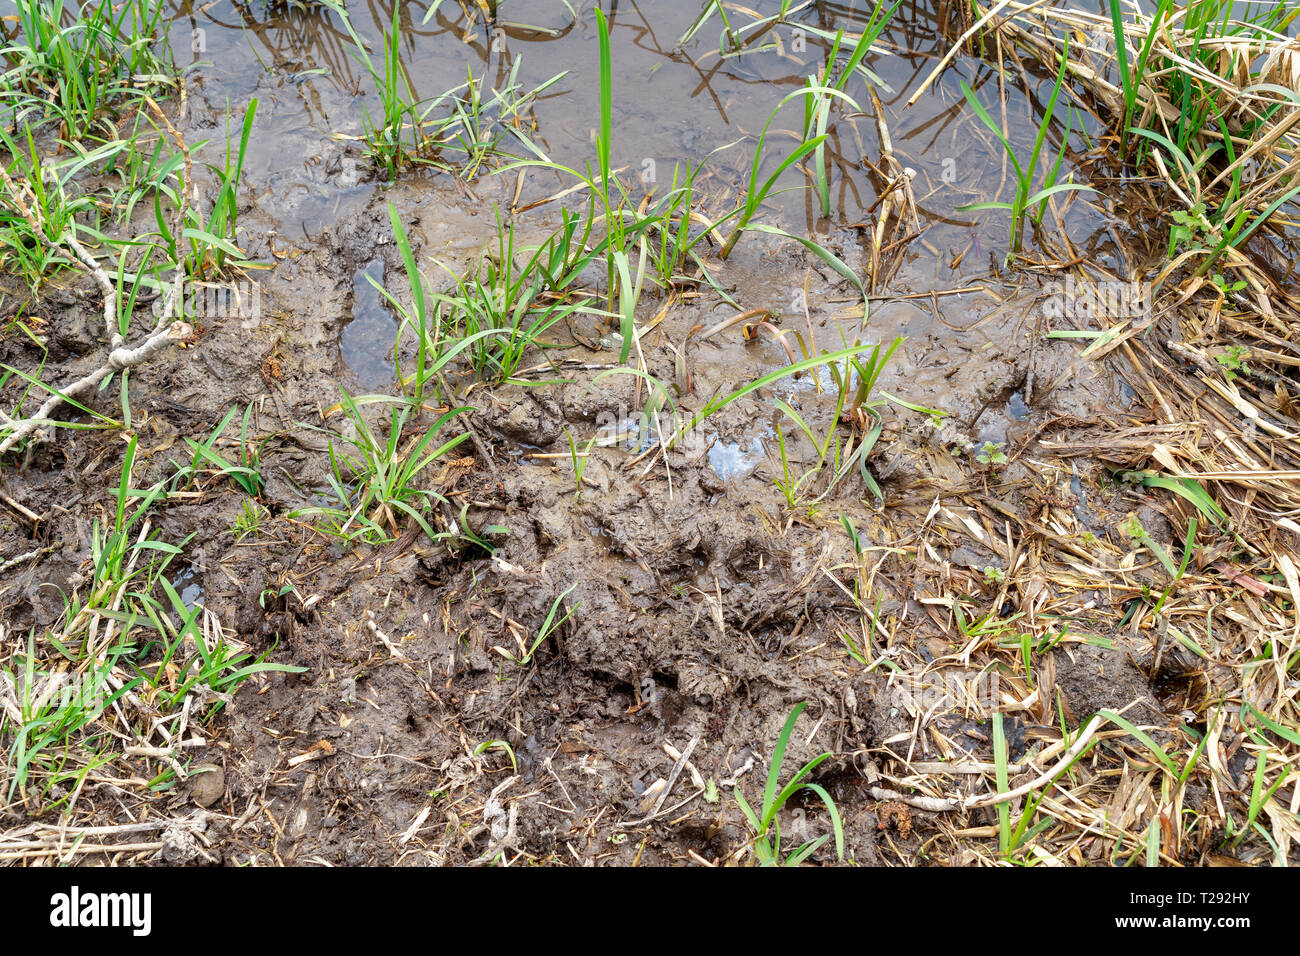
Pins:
<point x="702" y="611"/>
<point x="703" y="608"/>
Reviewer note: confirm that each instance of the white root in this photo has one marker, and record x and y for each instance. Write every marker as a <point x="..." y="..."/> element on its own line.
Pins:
<point x="105" y="286"/>
<point x="945" y="804"/>
<point x="118" y="359"/>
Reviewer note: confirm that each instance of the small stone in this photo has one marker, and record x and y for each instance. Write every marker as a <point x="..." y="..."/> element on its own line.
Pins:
<point x="207" y="784"/>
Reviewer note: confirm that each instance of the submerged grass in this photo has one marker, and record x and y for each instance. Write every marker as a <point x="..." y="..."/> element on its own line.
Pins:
<point x="1026" y="170"/>
<point x="458" y="131"/>
<point x="72" y="63"/>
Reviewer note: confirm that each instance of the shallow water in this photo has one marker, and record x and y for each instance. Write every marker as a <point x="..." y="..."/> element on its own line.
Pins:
<point x="672" y="106"/>
<point x="372" y="324"/>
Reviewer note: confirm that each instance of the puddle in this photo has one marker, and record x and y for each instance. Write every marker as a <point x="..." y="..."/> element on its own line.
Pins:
<point x="730" y="460"/>
<point x="367" y="342"/>
<point x="310" y="179"/>
<point x="630" y="434"/>
<point x="671" y="106"/>
<point x="189" y="585"/>
<point x="1016" y="407"/>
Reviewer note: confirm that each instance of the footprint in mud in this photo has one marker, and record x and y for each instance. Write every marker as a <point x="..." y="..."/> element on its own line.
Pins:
<point x="367" y="342"/>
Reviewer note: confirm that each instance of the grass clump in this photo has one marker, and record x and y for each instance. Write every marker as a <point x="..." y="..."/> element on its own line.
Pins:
<point x="763" y="821"/>
<point x="76" y="64"/>
<point x="458" y="131"/>
<point x="1026" y="198"/>
<point x="375" y="477"/>
<point x="128" y="658"/>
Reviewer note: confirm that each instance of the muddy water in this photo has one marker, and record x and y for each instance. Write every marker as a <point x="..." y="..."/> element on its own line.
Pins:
<point x="672" y="105"/>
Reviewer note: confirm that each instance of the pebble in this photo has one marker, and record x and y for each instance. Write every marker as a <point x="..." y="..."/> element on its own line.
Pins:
<point x="207" y="784"/>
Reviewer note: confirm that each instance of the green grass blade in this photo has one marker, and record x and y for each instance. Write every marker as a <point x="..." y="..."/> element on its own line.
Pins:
<point x="774" y="771"/>
<point x="1165" y="760"/>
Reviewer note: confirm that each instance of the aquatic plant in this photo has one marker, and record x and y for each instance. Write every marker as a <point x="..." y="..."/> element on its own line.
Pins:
<point x="1026" y="170"/>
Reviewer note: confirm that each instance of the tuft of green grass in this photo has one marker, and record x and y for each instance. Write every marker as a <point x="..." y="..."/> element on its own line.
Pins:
<point x="670" y="218"/>
<point x="1142" y="47"/>
<point x="579" y="461"/>
<point x="75" y="63"/>
<point x="757" y="189"/>
<point x="817" y="107"/>
<point x="248" y="523"/>
<point x="855" y="382"/>
<point x="1234" y="219"/>
<point x="1025" y="171"/>
<point x="121" y="662"/>
<point x="497" y="313"/>
<point x="500" y="297"/>
<point x="460" y="130"/>
<point x="206" y="246"/>
<point x="246" y="472"/>
<point x="377" y="482"/>
<point x="764" y="823"/>
<point x="41" y="202"/>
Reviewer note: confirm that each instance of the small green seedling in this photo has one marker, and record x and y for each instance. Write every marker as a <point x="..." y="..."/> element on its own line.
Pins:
<point x="249" y="520"/>
<point x="1224" y="285"/>
<point x="273" y="594"/>
<point x="487" y="745"/>
<point x="851" y="528"/>
<point x="1023" y="204"/>
<point x="246" y="473"/>
<point x="991" y="454"/>
<point x="767" y="831"/>
<point x="1139" y="535"/>
<point x="579" y="460"/>
<point x="1187" y="225"/>
<point x="550" y="625"/>
<point x="1232" y="361"/>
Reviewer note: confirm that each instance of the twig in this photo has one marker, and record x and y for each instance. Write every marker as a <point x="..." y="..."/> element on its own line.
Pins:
<point x="116" y="341"/>
<point x="945" y="804"/>
<point x="119" y="357"/>
<point x="26" y="512"/>
<point x="82" y="848"/>
<point x="479" y="446"/>
<point x="677" y="771"/>
<point x="29" y="556"/>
